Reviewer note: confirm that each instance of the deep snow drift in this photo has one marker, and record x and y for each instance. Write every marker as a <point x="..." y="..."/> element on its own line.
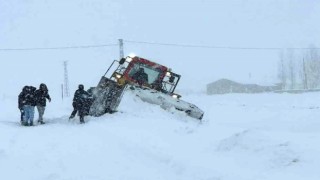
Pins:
<point x="256" y="137"/>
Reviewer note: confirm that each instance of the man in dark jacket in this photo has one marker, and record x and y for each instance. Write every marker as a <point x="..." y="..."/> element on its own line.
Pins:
<point x="41" y="96"/>
<point x="141" y="77"/>
<point x="28" y="107"/>
<point x="22" y="101"/>
<point x="79" y="103"/>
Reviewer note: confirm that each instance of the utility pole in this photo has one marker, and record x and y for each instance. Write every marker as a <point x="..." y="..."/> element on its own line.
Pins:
<point x="66" y="79"/>
<point x="121" y="48"/>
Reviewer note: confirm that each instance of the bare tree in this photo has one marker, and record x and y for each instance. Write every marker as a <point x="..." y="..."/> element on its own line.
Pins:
<point x="299" y="69"/>
<point x="292" y="68"/>
<point x="281" y="71"/>
<point x="312" y="65"/>
<point x="304" y="75"/>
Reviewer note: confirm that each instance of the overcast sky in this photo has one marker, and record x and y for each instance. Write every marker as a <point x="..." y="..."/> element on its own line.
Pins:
<point x="233" y="23"/>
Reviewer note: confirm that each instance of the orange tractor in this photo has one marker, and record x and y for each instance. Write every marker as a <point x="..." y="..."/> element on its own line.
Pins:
<point x="152" y="82"/>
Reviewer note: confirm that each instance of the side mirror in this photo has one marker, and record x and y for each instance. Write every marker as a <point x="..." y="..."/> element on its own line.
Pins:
<point x="122" y="60"/>
<point x="171" y="79"/>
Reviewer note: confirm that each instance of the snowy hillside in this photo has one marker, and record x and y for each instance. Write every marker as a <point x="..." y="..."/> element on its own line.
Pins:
<point x="258" y="137"/>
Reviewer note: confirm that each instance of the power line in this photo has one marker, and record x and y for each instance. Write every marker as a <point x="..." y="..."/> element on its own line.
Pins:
<point x="153" y="43"/>
<point x="215" y="47"/>
<point x="58" y="48"/>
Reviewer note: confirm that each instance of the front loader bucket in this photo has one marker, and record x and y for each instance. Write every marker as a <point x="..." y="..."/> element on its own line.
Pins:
<point x="166" y="101"/>
<point x="107" y="96"/>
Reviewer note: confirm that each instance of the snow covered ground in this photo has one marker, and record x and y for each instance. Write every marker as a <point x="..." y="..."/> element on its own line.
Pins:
<point x="243" y="137"/>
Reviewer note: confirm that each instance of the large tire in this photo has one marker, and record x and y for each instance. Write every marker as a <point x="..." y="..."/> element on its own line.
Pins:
<point x="107" y="96"/>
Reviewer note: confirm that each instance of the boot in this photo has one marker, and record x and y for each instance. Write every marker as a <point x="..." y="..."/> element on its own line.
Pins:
<point x="41" y="122"/>
<point x="82" y="120"/>
<point x="72" y="116"/>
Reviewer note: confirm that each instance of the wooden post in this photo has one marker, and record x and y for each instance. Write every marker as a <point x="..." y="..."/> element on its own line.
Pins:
<point x="62" y="91"/>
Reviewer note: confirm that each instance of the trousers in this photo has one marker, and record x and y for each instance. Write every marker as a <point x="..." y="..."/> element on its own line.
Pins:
<point x="28" y="114"/>
<point x="41" y="110"/>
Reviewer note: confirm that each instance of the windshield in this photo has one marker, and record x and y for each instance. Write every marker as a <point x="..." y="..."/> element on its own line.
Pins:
<point x="152" y="73"/>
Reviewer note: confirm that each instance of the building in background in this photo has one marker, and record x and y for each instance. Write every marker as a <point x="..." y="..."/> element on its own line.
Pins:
<point x="224" y="86"/>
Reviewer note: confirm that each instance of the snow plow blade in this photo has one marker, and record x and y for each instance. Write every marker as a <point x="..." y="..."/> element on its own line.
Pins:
<point x="166" y="102"/>
<point x="106" y="97"/>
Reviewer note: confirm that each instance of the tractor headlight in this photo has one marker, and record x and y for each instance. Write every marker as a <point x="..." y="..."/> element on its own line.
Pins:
<point x="132" y="55"/>
<point x="168" y="74"/>
<point x="129" y="59"/>
<point x="117" y="75"/>
<point x="176" y="96"/>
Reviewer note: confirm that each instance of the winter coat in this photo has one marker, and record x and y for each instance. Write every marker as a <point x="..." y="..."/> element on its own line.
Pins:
<point x="41" y="96"/>
<point x="21" y="101"/>
<point x="141" y="77"/>
<point x="80" y="99"/>
<point x="22" y="98"/>
<point x="30" y="96"/>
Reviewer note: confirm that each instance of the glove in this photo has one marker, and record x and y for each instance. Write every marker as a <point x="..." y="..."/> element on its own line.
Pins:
<point x="49" y="100"/>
